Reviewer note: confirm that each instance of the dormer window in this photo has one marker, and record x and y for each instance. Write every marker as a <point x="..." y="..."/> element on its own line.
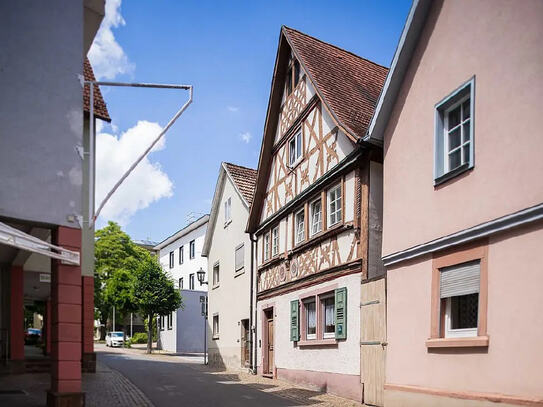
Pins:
<point x="293" y="76"/>
<point x="295" y="149"/>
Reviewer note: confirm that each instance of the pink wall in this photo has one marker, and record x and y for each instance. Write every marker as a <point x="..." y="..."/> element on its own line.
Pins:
<point x="512" y="362"/>
<point x="498" y="41"/>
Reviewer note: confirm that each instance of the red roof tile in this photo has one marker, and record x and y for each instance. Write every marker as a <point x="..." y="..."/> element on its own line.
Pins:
<point x="245" y="180"/>
<point x="100" y="108"/>
<point x="350" y="85"/>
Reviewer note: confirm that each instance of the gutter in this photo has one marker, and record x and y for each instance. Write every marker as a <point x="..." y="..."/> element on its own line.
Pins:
<point x="252" y="320"/>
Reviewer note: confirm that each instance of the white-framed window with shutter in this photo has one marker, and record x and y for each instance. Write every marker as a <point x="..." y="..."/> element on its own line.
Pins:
<point x="239" y="258"/>
<point x="310" y="319"/>
<point x="459" y="288"/>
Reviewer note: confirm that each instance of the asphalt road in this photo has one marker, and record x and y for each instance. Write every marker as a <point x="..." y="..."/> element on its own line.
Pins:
<point x="170" y="381"/>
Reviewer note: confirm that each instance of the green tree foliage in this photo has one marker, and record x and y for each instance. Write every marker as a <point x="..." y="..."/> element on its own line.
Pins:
<point x="116" y="261"/>
<point x="154" y="292"/>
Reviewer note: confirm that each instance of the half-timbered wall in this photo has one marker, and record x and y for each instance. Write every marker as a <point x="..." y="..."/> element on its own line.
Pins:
<point x="323" y="146"/>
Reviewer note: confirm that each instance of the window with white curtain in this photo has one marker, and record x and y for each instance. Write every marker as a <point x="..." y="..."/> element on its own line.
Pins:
<point x="459" y="292"/>
<point x="329" y="322"/>
<point x="311" y="319"/>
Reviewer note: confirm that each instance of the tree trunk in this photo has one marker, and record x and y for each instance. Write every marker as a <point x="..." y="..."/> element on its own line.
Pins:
<point x="150" y="333"/>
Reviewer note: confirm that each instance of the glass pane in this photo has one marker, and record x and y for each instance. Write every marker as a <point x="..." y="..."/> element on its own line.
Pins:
<point x="292" y="151"/>
<point x="454" y="159"/>
<point x="329" y="323"/>
<point x="311" y="318"/>
<point x="464" y="311"/>
<point x="465" y="110"/>
<point x="465" y="131"/>
<point x="289" y="81"/>
<point x="454" y="138"/>
<point x="466" y="154"/>
<point x="454" y="117"/>
<point x="299" y="145"/>
<point x="296" y="73"/>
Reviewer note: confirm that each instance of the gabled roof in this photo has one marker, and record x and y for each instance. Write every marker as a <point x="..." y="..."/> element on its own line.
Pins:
<point x="347" y="85"/>
<point x="244" y="181"/>
<point x="100" y="108"/>
<point x="400" y="63"/>
<point x="186" y="230"/>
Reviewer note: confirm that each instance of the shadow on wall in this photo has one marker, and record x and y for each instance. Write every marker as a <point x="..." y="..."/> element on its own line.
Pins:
<point x="215" y="360"/>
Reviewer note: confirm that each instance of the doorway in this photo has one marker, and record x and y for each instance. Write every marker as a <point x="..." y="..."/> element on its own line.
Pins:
<point x="245" y="343"/>
<point x="268" y="350"/>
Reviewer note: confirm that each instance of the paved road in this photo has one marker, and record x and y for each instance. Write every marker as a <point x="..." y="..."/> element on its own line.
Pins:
<point x="177" y="381"/>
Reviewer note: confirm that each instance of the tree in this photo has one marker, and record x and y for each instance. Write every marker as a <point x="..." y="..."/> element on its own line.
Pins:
<point x="116" y="261"/>
<point x="154" y="293"/>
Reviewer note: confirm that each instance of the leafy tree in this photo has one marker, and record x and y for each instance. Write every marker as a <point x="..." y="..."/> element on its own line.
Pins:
<point x="116" y="260"/>
<point x="154" y="293"/>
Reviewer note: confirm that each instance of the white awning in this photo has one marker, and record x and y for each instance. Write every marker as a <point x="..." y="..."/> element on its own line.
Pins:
<point x="16" y="238"/>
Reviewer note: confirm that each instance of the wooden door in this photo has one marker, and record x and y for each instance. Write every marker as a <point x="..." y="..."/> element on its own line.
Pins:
<point x="270" y="345"/>
<point x="373" y="340"/>
<point x="245" y="346"/>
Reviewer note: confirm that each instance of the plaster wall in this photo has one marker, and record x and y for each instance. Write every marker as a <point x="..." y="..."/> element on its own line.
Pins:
<point x="230" y="298"/>
<point x="42" y="111"/>
<point x="343" y="358"/>
<point x="498" y="42"/>
<point x="512" y="362"/>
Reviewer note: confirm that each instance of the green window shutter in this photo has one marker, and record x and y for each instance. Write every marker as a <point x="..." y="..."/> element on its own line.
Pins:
<point x="341" y="313"/>
<point x="294" y="321"/>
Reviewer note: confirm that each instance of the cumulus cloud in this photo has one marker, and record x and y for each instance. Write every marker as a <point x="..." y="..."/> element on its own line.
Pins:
<point x="145" y="185"/>
<point x="107" y="57"/>
<point x="245" y="137"/>
<point x="232" y="108"/>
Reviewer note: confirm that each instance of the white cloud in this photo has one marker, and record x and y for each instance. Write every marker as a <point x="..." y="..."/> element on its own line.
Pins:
<point x="107" y="57"/>
<point x="245" y="137"/>
<point x="145" y="185"/>
<point x="232" y="108"/>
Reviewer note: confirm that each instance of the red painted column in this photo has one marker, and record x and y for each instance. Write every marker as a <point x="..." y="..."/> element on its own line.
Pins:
<point x="89" y="357"/>
<point x="16" y="325"/>
<point x="66" y="325"/>
<point x="48" y="318"/>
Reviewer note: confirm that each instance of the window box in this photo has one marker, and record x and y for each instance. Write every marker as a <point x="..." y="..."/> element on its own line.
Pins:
<point x="454" y="140"/>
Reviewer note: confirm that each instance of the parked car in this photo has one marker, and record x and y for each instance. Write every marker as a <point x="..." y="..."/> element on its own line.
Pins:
<point x="32" y="336"/>
<point x="115" y="338"/>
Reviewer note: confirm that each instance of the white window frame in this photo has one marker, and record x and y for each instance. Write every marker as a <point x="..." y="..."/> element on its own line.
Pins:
<point x="242" y="267"/>
<point x="456" y="333"/>
<point x="191" y="281"/>
<point x="322" y="298"/>
<point x="227" y="211"/>
<point x="442" y="172"/>
<point x="306" y="302"/>
<point x="216" y="326"/>
<point x="298" y="147"/>
<point x="171" y="259"/>
<point x="192" y="249"/>
<point x="338" y="212"/>
<point x="181" y="254"/>
<point x="312" y="222"/>
<point x="267" y="248"/>
<point x="299" y="228"/>
<point x="216" y="281"/>
<point x="275" y="241"/>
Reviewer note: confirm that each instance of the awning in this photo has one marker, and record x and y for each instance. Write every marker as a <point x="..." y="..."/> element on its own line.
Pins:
<point x="16" y="238"/>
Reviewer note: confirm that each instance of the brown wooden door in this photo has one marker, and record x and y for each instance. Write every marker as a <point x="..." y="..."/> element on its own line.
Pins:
<point x="373" y="341"/>
<point x="270" y="345"/>
<point x="245" y="346"/>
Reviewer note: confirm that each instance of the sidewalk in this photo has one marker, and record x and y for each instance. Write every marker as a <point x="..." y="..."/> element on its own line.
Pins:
<point x="105" y="388"/>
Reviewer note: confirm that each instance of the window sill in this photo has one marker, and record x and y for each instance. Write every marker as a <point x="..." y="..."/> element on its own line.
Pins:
<point x="215" y="337"/>
<point x="215" y="286"/>
<point x="228" y="222"/>
<point x="475" y="341"/>
<point x="239" y="272"/>
<point x="452" y="174"/>
<point x="318" y="342"/>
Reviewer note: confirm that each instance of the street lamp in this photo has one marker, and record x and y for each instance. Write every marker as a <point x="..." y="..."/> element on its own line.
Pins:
<point x="200" y="274"/>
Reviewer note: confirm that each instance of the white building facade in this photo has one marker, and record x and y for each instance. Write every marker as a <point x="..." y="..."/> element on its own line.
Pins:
<point x="181" y="257"/>
<point x="228" y="249"/>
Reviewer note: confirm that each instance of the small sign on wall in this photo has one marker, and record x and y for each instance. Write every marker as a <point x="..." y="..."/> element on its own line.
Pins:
<point x="45" y="278"/>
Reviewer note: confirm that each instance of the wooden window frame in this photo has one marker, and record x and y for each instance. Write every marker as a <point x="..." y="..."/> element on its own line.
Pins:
<point x="472" y="252"/>
<point x="317" y="296"/>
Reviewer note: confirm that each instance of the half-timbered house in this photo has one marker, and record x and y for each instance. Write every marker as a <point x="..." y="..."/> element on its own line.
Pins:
<point x="316" y="218"/>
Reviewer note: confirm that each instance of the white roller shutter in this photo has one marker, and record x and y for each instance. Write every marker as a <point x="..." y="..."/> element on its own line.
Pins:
<point x="458" y="280"/>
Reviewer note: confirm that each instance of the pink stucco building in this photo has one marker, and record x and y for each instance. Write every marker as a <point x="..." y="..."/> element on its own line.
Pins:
<point x="463" y="205"/>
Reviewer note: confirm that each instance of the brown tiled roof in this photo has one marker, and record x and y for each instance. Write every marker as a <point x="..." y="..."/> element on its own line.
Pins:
<point x="100" y="108"/>
<point x="350" y="85"/>
<point x="245" y="180"/>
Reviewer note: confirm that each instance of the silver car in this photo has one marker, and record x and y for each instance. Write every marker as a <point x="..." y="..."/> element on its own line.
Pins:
<point x="115" y="338"/>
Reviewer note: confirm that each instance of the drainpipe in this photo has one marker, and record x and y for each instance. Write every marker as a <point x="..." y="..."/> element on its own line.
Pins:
<point x="253" y="320"/>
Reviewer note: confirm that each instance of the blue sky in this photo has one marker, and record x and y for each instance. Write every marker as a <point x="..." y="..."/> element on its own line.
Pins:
<point x="227" y="51"/>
